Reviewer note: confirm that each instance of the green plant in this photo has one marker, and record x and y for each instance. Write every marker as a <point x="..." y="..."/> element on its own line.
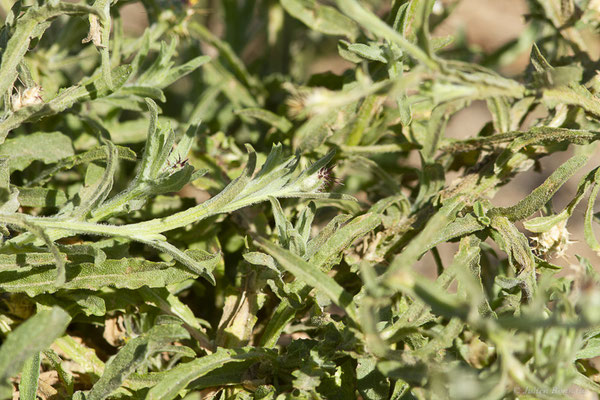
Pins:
<point x="149" y="251"/>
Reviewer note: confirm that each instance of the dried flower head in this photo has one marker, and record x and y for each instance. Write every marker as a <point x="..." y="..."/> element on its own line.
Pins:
<point x="438" y="8"/>
<point x="553" y="242"/>
<point x="30" y="96"/>
<point x="15" y="101"/>
<point x="295" y="105"/>
<point x="95" y="33"/>
<point x="309" y="102"/>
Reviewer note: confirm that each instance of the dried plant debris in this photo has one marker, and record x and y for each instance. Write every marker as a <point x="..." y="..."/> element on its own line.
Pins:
<point x="189" y="212"/>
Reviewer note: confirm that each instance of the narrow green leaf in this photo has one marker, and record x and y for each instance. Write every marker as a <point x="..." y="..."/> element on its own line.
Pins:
<point x="586" y="382"/>
<point x="186" y="143"/>
<point x="366" y="113"/>
<point x="56" y="362"/>
<point x="172" y="305"/>
<point x="443" y="340"/>
<point x="545" y="223"/>
<point x="535" y="136"/>
<point x="31" y="337"/>
<point x="312" y="134"/>
<point x="75" y="302"/>
<point x="590" y="350"/>
<point x="347" y="54"/>
<point x="179" y="377"/>
<point x="310" y="275"/>
<point x="282" y="316"/>
<point x="156" y="72"/>
<point x="231" y="374"/>
<point x="501" y="113"/>
<point x="321" y="18"/>
<point x="29" y="378"/>
<point x="513" y="243"/>
<point x="416" y="247"/>
<point x="543" y="193"/>
<point x="371" y="22"/>
<point x="241" y="72"/>
<point x="132" y="355"/>
<point x="46" y="147"/>
<point x="94" y="194"/>
<point x="198" y="262"/>
<point x="322" y="249"/>
<point x="590" y="237"/>
<point x="304" y="222"/>
<point x="143" y="91"/>
<point x="431" y="177"/>
<point x="126" y="273"/>
<point x="281" y="223"/>
<point x="103" y="7"/>
<point x="20" y="260"/>
<point x="99" y="153"/>
<point x="120" y="367"/>
<point x="418" y="312"/>
<point x="209" y="207"/>
<point x="41" y="197"/>
<point x="459" y="227"/>
<point x="179" y="72"/>
<point x="327" y="245"/>
<point x="84" y="356"/>
<point x="421" y="10"/>
<point x="58" y="259"/>
<point x="372" y="385"/>
<point x="267" y="116"/>
<point x="368" y="52"/>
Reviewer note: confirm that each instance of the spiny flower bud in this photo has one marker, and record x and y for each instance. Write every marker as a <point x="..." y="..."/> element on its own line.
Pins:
<point x="325" y="174"/>
<point x="320" y="180"/>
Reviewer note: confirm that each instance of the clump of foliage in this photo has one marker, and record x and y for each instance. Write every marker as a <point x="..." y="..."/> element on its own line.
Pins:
<point x="276" y="281"/>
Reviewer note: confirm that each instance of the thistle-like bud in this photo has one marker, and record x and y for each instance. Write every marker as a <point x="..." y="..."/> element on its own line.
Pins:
<point x="320" y="180"/>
